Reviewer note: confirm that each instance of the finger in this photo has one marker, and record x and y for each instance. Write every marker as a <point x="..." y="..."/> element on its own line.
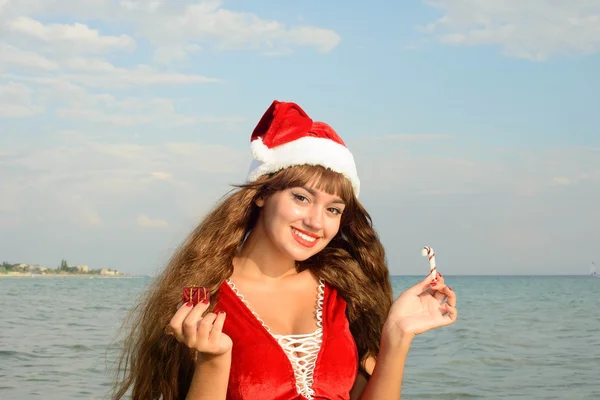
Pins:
<point x="451" y="313"/>
<point x="422" y="286"/>
<point x="176" y="322"/>
<point x="205" y="327"/>
<point x="439" y="279"/>
<point x="215" y="333"/>
<point x="438" y="283"/>
<point x="451" y="296"/>
<point x="438" y="295"/>
<point x="190" y="324"/>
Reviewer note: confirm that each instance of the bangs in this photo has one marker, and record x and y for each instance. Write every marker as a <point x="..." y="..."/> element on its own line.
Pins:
<point x="314" y="176"/>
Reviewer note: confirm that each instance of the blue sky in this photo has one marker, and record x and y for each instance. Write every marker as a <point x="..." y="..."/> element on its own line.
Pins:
<point x="473" y="123"/>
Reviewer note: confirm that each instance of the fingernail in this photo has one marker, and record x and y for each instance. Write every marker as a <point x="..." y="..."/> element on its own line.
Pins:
<point x="221" y="312"/>
<point x="205" y="301"/>
<point x="439" y="274"/>
<point x="189" y="304"/>
<point x="450" y="288"/>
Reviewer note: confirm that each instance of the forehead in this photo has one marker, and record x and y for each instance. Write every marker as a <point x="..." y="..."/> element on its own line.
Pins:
<point x="317" y="187"/>
<point x="319" y="179"/>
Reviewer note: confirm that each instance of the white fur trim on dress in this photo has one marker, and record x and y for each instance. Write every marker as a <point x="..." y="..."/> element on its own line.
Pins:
<point x="307" y="150"/>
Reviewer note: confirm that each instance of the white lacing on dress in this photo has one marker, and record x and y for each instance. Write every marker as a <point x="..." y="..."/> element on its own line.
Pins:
<point x="302" y="350"/>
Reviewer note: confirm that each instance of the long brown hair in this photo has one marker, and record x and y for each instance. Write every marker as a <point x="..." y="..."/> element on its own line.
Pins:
<point x="155" y="366"/>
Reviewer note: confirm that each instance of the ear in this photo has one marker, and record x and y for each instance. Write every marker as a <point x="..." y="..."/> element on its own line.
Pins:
<point x="259" y="202"/>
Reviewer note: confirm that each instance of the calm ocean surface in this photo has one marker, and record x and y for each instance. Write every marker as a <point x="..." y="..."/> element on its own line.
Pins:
<point x="516" y="338"/>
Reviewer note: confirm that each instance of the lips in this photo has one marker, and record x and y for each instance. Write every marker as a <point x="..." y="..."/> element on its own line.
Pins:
<point x="304" y="238"/>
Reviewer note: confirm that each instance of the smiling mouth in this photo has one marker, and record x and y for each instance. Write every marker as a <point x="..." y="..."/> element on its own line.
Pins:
<point x="310" y="238"/>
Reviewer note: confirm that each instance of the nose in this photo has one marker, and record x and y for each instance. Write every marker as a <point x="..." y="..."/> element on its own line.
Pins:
<point x="314" y="218"/>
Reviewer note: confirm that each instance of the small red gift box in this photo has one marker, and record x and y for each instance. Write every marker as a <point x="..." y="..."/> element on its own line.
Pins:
<point x="195" y="294"/>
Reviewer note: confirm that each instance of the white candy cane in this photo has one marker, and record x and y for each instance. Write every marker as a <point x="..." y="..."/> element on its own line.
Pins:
<point x="428" y="251"/>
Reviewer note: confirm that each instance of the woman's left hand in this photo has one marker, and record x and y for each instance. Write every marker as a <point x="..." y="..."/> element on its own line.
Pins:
<point x="427" y="305"/>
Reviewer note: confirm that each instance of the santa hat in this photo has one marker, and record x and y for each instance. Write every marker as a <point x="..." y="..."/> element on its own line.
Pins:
<point x="285" y="136"/>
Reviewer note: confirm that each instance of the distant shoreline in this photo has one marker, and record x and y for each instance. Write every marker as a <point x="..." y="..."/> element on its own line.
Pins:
<point x="28" y="275"/>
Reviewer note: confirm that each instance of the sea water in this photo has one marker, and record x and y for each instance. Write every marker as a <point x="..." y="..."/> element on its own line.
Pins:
<point x="517" y="337"/>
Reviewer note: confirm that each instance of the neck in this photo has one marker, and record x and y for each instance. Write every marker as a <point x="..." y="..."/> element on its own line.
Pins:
<point x="258" y="259"/>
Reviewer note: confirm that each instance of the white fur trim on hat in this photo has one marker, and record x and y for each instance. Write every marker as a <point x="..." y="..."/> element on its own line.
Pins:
<point x="308" y="150"/>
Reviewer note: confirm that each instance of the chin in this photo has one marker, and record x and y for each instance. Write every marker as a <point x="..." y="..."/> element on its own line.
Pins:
<point x="303" y="258"/>
<point x="304" y="255"/>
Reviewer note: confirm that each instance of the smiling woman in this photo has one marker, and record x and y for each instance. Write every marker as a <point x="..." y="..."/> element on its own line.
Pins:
<point x="297" y="298"/>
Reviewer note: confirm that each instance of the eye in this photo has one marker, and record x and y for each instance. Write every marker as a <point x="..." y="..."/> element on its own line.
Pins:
<point x="299" y="197"/>
<point x="335" y="211"/>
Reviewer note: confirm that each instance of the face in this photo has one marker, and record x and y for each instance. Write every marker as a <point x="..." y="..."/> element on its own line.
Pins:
<point x="300" y="221"/>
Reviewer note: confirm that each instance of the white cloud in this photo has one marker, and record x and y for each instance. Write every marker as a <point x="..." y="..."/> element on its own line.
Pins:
<point x="220" y="120"/>
<point x="16" y="101"/>
<point x="533" y="29"/>
<point x="162" y="176"/>
<point x="209" y="24"/>
<point x="209" y="158"/>
<point x="106" y="175"/>
<point x="141" y="75"/>
<point x="505" y="206"/>
<point x="91" y="65"/>
<point x="117" y="78"/>
<point x="175" y="52"/>
<point x="88" y="217"/>
<point x="442" y="167"/>
<point x="13" y="56"/>
<point x="146" y="222"/>
<point x="561" y="180"/>
<point x="79" y="37"/>
<point x="96" y="116"/>
<point x="71" y="135"/>
<point x="130" y="111"/>
<point x="70" y="100"/>
<point x="56" y="57"/>
<point x="409" y="137"/>
<point x="176" y="29"/>
<point x="324" y="40"/>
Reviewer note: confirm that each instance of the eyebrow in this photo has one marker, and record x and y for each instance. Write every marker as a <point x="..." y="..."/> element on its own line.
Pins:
<point x="312" y="192"/>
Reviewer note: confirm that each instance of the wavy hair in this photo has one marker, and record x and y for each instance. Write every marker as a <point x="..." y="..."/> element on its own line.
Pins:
<point x="154" y="365"/>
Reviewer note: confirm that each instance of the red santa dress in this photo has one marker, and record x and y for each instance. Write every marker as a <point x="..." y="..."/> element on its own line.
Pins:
<point x="265" y="366"/>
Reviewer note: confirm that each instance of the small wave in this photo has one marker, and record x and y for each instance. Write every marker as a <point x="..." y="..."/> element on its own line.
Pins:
<point x="38" y="380"/>
<point x="100" y="308"/>
<point x="77" y="347"/>
<point x="80" y="347"/>
<point x="17" y="355"/>
<point x="452" y="395"/>
<point x="502" y="361"/>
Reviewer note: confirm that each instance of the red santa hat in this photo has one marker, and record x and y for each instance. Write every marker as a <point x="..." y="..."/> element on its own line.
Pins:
<point x="285" y="136"/>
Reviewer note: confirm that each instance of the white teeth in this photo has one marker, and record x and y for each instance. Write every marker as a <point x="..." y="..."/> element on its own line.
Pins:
<point x="303" y="236"/>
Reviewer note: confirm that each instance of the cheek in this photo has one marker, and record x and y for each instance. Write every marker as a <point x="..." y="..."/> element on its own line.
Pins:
<point x="284" y="213"/>
<point x="291" y="212"/>
<point x="333" y="227"/>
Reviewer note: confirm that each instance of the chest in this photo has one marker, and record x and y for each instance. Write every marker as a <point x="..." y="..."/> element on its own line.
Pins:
<point x="287" y="310"/>
<point x="262" y="363"/>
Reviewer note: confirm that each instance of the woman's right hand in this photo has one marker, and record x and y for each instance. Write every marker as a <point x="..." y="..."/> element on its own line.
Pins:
<point x="201" y="333"/>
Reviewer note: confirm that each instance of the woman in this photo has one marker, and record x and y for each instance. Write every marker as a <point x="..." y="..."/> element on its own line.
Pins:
<point x="299" y="302"/>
